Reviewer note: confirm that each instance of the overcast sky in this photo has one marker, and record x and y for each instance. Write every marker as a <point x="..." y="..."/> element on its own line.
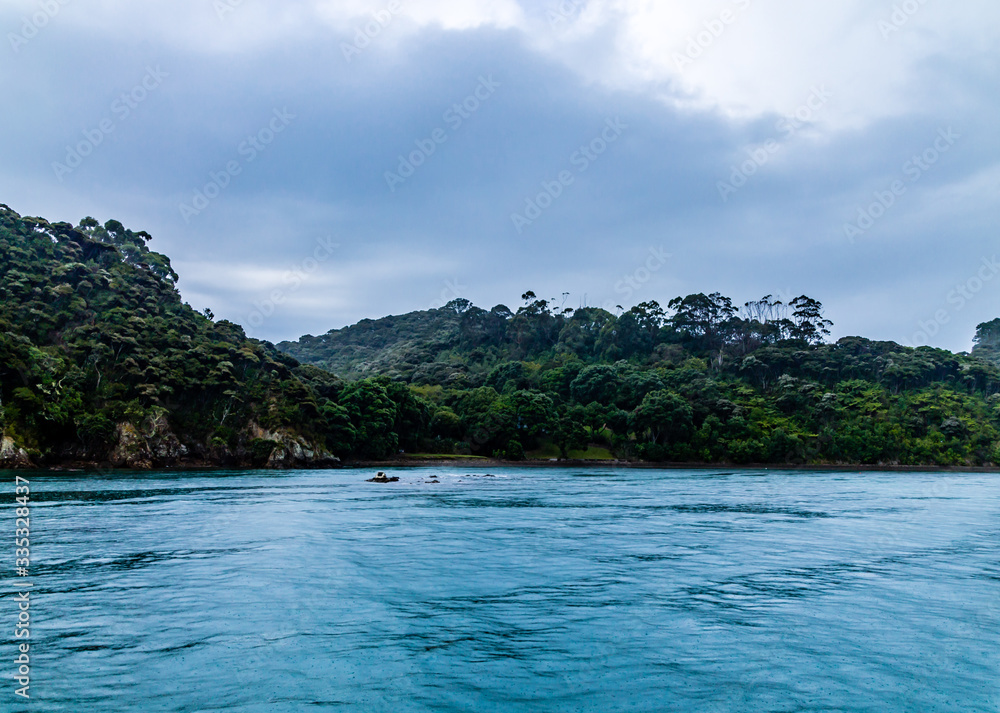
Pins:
<point x="306" y="164"/>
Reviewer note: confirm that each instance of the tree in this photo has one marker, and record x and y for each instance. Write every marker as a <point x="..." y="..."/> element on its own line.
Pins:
<point x="340" y="432"/>
<point x="508" y="374"/>
<point x="580" y="335"/>
<point x="568" y="432"/>
<point x="626" y="337"/>
<point x="808" y="322"/>
<point x="534" y="327"/>
<point x="531" y="411"/>
<point x="663" y="416"/>
<point x="704" y="319"/>
<point x="373" y="416"/>
<point x="599" y="382"/>
<point x="763" y="321"/>
<point x="446" y="424"/>
<point x="413" y="414"/>
<point x="650" y="317"/>
<point x="987" y="341"/>
<point x="459" y="305"/>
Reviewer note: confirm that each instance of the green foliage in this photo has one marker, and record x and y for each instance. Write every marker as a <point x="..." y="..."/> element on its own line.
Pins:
<point x="94" y="337"/>
<point x="95" y="343"/>
<point x="261" y="449"/>
<point x="663" y="416"/>
<point x="700" y="381"/>
<point x="987" y="341"/>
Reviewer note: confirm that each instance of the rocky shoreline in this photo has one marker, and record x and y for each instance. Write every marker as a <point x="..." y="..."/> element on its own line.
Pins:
<point x="156" y="447"/>
<point x="294" y="460"/>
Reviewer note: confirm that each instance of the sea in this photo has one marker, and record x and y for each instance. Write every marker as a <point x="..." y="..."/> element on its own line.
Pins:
<point x="597" y="588"/>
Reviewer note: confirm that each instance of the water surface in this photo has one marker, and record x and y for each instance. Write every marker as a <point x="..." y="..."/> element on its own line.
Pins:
<point x="514" y="590"/>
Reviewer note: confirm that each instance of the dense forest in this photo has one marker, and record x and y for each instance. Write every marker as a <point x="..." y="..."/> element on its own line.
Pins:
<point x="698" y="381"/>
<point x="102" y="363"/>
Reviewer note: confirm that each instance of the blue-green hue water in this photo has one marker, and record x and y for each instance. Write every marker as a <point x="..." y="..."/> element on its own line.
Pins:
<point x="532" y="590"/>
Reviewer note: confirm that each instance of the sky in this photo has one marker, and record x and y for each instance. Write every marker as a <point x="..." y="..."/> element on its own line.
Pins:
<point x="309" y="163"/>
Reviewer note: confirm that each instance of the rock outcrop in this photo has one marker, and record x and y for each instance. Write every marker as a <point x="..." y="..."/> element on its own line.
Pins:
<point x="13" y="456"/>
<point x="288" y="450"/>
<point x="154" y="446"/>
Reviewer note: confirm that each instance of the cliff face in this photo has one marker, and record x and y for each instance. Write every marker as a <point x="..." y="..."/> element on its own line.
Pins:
<point x="156" y="446"/>
<point x="12" y="456"/>
<point x="140" y="450"/>
<point x="288" y="450"/>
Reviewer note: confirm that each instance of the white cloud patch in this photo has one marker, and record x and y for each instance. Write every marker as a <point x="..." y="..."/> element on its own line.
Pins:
<point x="744" y="58"/>
<point x="315" y="295"/>
<point x="446" y="14"/>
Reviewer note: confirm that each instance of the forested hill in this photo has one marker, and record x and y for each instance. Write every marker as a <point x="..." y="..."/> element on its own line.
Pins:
<point x="699" y="380"/>
<point x="459" y="343"/>
<point x="100" y="362"/>
<point x="409" y="347"/>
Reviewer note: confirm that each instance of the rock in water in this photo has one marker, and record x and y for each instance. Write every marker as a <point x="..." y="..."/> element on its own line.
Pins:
<point x="381" y="477"/>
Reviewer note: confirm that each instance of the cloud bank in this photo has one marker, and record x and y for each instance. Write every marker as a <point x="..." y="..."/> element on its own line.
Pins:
<point x="309" y="164"/>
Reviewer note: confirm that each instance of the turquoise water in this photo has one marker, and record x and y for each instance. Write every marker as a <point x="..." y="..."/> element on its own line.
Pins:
<point x="531" y="590"/>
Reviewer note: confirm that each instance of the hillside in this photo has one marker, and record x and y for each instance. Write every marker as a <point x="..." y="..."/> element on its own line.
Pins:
<point x="699" y="381"/>
<point x="987" y="342"/>
<point x="406" y="347"/>
<point x="100" y="362"/>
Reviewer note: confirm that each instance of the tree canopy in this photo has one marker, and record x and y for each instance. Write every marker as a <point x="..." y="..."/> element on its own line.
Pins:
<point x="100" y="360"/>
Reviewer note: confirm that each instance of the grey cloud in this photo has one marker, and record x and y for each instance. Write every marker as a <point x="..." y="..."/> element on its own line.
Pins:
<point x="655" y="186"/>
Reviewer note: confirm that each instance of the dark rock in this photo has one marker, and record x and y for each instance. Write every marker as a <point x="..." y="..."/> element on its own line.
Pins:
<point x="381" y="477"/>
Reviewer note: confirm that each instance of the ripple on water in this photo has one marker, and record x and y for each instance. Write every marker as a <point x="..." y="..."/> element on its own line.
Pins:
<point x="517" y="590"/>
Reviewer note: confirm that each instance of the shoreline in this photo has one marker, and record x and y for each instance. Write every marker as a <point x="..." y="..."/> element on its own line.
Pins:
<point x="408" y="463"/>
<point x="644" y="465"/>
